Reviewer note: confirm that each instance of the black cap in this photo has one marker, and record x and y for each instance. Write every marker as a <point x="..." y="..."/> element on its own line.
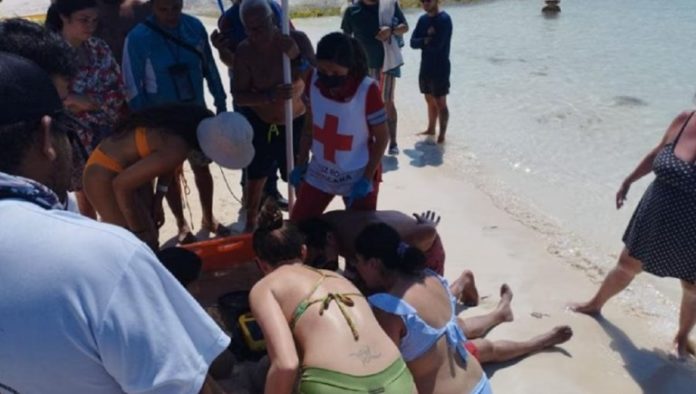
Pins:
<point x="26" y="91"/>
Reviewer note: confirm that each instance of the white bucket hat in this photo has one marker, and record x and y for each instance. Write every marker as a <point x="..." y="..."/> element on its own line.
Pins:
<point x="227" y="140"/>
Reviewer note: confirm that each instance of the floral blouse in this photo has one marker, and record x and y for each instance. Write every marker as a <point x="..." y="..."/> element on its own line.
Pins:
<point x="99" y="78"/>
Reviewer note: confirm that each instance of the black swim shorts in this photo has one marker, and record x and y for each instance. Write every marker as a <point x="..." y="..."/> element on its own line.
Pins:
<point x="269" y="145"/>
<point x="433" y="86"/>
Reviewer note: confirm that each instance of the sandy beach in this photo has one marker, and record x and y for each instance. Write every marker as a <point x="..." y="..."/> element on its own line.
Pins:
<point x="625" y="351"/>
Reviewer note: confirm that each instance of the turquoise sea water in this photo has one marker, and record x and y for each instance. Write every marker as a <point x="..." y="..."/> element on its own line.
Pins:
<point x="549" y="115"/>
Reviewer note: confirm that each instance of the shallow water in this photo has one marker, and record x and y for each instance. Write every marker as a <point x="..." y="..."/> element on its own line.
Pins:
<point x="551" y="114"/>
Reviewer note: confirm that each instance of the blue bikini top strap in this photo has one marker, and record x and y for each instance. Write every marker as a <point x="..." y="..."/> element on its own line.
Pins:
<point x="391" y="304"/>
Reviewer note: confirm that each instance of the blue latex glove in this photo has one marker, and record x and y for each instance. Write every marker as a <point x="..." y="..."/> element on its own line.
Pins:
<point x="297" y="175"/>
<point x="362" y="188"/>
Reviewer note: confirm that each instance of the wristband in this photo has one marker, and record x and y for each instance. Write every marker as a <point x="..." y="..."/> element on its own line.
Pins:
<point x="162" y="188"/>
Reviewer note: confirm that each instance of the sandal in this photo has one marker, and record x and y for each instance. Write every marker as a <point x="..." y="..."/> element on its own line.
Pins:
<point x="187" y="238"/>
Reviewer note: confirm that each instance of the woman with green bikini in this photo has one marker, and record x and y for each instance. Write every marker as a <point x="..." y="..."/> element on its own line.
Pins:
<point x="317" y="323"/>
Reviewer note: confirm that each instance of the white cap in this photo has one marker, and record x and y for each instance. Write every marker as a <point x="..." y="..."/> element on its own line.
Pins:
<point x="227" y="140"/>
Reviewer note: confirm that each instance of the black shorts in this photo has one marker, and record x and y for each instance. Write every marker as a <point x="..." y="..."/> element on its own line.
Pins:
<point x="269" y="145"/>
<point x="434" y="86"/>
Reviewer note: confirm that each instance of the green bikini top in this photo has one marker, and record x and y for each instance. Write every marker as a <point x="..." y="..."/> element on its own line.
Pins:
<point x="342" y="300"/>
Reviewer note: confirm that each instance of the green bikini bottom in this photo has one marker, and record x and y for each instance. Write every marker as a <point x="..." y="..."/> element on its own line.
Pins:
<point x="395" y="379"/>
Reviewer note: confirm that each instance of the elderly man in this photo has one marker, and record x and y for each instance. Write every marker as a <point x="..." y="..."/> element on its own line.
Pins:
<point x="259" y="89"/>
<point x="165" y="60"/>
<point x="232" y="32"/>
<point x="84" y="307"/>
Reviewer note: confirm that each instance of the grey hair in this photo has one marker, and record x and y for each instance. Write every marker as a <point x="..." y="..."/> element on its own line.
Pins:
<point x="248" y="5"/>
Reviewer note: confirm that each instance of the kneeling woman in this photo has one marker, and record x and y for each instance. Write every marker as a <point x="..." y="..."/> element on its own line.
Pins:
<point x="319" y="321"/>
<point x="417" y="310"/>
<point x="152" y="144"/>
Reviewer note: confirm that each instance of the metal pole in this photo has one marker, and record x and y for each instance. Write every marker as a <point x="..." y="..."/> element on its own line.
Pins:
<point x="287" y="79"/>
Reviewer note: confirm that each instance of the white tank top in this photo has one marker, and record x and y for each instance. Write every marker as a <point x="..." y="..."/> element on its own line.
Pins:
<point x="340" y="150"/>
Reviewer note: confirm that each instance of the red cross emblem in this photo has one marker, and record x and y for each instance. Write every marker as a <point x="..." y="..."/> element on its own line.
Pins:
<point x="330" y="138"/>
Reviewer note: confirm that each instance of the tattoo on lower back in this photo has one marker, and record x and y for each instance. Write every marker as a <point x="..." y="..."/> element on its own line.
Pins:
<point x="365" y="355"/>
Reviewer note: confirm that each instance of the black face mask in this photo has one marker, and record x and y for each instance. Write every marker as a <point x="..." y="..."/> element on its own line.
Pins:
<point x="332" y="81"/>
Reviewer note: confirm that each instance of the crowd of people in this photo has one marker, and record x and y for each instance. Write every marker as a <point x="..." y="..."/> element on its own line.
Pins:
<point x="106" y="102"/>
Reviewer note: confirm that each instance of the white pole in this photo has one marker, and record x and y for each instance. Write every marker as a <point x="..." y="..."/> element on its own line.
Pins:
<point x="287" y="79"/>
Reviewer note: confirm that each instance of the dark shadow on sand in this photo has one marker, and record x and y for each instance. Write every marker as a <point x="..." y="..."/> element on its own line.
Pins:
<point x="425" y="153"/>
<point x="492" y="368"/>
<point x="389" y="163"/>
<point x="655" y="371"/>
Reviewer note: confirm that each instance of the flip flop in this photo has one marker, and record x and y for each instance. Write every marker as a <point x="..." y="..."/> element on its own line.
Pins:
<point x="188" y="238"/>
<point x="222" y="231"/>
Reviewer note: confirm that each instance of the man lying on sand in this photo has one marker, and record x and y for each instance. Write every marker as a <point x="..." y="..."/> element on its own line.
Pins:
<point x="334" y="233"/>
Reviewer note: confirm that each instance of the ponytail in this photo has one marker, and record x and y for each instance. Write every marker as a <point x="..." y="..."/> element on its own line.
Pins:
<point x="276" y="240"/>
<point x="382" y="242"/>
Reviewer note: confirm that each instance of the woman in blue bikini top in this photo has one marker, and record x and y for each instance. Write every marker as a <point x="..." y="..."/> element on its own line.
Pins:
<point x="416" y="309"/>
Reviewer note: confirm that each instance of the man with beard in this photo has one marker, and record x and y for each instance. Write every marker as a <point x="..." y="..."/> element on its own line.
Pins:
<point x="84" y="306"/>
<point x="259" y="90"/>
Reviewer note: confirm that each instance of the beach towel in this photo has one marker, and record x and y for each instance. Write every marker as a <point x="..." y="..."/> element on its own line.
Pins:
<point x="392" y="51"/>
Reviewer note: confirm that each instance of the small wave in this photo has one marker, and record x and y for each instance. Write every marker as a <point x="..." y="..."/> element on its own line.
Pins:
<point x="628" y="101"/>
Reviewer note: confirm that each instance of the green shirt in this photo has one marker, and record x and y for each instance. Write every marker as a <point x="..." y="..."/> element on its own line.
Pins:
<point x="362" y="22"/>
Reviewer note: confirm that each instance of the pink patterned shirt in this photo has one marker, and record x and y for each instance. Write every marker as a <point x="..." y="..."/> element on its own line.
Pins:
<point x="98" y="78"/>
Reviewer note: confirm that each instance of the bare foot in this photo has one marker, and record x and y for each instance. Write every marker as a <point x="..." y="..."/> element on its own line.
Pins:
<point x="504" y="304"/>
<point x="427" y="132"/>
<point x="556" y="336"/>
<point x="464" y="289"/>
<point x="684" y="349"/>
<point x="587" y="308"/>
<point x="441" y="139"/>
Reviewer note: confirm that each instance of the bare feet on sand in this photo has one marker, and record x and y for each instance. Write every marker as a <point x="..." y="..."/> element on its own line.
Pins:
<point x="588" y="308"/>
<point x="441" y="139"/>
<point x="464" y="288"/>
<point x="427" y="132"/>
<point x="504" y="303"/>
<point x="684" y="349"/>
<point x="556" y="336"/>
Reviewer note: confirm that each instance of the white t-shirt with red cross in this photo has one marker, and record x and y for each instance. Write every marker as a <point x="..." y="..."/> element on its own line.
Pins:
<point x="341" y="137"/>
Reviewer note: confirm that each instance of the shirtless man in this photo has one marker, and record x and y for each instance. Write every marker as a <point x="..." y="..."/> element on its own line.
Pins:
<point x="334" y="234"/>
<point x="259" y="90"/>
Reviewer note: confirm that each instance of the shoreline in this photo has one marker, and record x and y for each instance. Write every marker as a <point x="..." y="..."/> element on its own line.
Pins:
<point x="35" y="10"/>
<point x="626" y="350"/>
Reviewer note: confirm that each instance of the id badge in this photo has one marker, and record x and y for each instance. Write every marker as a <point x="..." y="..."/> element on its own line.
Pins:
<point x="182" y="82"/>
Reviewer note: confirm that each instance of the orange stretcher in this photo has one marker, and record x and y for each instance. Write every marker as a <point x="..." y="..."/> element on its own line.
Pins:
<point x="221" y="254"/>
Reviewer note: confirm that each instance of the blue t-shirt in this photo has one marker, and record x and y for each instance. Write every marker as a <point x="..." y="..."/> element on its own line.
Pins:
<point x="435" y="61"/>
<point x="91" y="307"/>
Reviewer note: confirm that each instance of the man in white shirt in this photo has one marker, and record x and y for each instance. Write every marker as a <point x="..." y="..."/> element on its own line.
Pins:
<point x="84" y="306"/>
